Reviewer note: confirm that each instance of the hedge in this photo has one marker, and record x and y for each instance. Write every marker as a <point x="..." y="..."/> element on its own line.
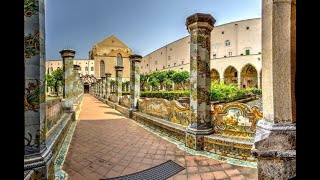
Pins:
<point x="219" y="92"/>
<point x="170" y="95"/>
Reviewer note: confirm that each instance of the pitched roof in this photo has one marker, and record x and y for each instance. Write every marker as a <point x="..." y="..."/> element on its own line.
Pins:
<point x="112" y="41"/>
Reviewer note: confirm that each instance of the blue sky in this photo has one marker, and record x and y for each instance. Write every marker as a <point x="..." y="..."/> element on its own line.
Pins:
<point x="143" y="25"/>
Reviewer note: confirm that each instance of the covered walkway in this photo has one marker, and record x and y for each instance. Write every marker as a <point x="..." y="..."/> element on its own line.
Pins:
<point x="106" y="144"/>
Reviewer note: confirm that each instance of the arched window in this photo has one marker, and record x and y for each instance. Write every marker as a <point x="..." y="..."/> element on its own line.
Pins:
<point x="102" y="68"/>
<point x="119" y="60"/>
<point x="86" y="68"/>
<point x="227" y="43"/>
<point x="91" y="68"/>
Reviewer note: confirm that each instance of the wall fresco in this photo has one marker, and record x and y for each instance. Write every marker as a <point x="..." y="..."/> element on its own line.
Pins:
<point x="236" y="120"/>
<point x="125" y="101"/>
<point x="171" y="111"/>
<point x="54" y="111"/>
<point x="156" y="107"/>
<point x="113" y="98"/>
<point x="229" y="148"/>
<point x="234" y="130"/>
<point x="179" y="114"/>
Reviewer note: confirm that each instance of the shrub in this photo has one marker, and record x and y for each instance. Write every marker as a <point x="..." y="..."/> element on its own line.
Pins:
<point x="170" y="95"/>
<point x="223" y="92"/>
<point x="255" y="91"/>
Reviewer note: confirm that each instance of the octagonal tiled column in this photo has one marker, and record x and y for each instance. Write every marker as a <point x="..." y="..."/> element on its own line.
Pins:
<point x="37" y="156"/>
<point x="200" y="27"/>
<point x="103" y="86"/>
<point x="108" y="87"/>
<point x="118" y="85"/>
<point x="134" y="80"/>
<point x="76" y="82"/>
<point x="67" y="57"/>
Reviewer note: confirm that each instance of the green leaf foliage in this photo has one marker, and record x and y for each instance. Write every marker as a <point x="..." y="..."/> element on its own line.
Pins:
<point x="170" y="95"/>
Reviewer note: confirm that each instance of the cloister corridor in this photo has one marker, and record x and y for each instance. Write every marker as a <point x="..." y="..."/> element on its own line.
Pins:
<point x="106" y="144"/>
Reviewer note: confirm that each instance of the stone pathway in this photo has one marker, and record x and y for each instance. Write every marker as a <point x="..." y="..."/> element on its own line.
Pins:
<point x="106" y="144"/>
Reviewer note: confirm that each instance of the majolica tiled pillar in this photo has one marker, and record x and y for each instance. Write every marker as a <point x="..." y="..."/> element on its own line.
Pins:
<point x="108" y="88"/>
<point x="37" y="156"/>
<point x="118" y="88"/>
<point x="80" y="83"/>
<point x="134" y="80"/>
<point x="75" y="84"/>
<point x="239" y="81"/>
<point x="97" y="95"/>
<point x="275" y="141"/>
<point x="80" y="86"/>
<point x="103" y="84"/>
<point x="199" y="26"/>
<point x="98" y="85"/>
<point x="101" y="89"/>
<point x="94" y="90"/>
<point x="67" y="57"/>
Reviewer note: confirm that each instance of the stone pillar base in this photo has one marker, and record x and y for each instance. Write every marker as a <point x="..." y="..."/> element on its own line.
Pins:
<point x="195" y="138"/>
<point x="42" y="166"/>
<point x="131" y="110"/>
<point x="275" y="150"/>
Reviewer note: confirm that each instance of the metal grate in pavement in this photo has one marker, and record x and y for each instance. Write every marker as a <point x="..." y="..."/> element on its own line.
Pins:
<point x="160" y="172"/>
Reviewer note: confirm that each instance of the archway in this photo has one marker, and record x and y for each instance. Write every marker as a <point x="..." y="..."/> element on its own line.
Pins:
<point x="230" y="75"/>
<point x="86" y="88"/>
<point x="249" y="76"/>
<point x="214" y="75"/>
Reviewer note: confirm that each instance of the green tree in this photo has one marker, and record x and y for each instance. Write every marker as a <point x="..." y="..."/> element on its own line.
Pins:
<point x="125" y="86"/>
<point x="181" y="77"/>
<point x="112" y="85"/>
<point x="168" y="84"/>
<point x="55" y="79"/>
<point x="144" y="78"/>
<point x="154" y="83"/>
<point x="161" y="76"/>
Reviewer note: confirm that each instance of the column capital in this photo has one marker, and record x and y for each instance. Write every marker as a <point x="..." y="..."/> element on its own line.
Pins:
<point x="67" y="53"/>
<point x="200" y="20"/>
<point x="118" y="68"/>
<point x="135" y="58"/>
<point x="108" y="75"/>
<point x="76" y="67"/>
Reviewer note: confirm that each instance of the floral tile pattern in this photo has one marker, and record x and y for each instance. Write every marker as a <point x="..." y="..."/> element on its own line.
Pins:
<point x="171" y="111"/>
<point x="34" y="97"/>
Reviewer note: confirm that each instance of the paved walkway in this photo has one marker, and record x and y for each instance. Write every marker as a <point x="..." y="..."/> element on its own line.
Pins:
<point x="106" y="144"/>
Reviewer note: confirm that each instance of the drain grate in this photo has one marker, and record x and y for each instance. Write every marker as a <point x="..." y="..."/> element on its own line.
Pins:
<point x="160" y="172"/>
